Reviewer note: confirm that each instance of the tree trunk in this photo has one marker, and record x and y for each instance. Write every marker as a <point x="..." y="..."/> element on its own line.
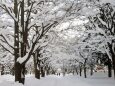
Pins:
<point x="85" y="73"/>
<point x="36" y="66"/>
<point x="91" y="70"/>
<point x="76" y="71"/>
<point x="113" y="56"/>
<point x="113" y="61"/>
<point x="17" y="66"/>
<point x="37" y="73"/>
<point x="2" y="70"/>
<point x="85" y="69"/>
<point x="20" y="72"/>
<point x="73" y="72"/>
<point x="42" y="72"/>
<point x="109" y="68"/>
<point x="109" y="71"/>
<point x="80" y="72"/>
<point x="47" y="70"/>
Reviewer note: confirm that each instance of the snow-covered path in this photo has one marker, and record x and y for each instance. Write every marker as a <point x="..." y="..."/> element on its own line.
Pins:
<point x="100" y="79"/>
<point x="70" y="80"/>
<point x="56" y="81"/>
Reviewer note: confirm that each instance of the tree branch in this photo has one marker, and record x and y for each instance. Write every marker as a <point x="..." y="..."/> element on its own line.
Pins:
<point x="6" y="41"/>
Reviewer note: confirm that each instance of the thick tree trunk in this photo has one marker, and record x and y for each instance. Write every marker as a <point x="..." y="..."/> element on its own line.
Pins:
<point x="17" y="66"/>
<point x="37" y="73"/>
<point x="20" y="72"/>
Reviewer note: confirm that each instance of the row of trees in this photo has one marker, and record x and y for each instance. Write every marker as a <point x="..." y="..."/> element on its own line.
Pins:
<point x="97" y="42"/>
<point x="30" y="21"/>
<point x="30" y="30"/>
<point x="103" y="32"/>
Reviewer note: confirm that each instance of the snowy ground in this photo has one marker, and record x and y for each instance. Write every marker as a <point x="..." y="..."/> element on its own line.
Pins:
<point x="99" y="79"/>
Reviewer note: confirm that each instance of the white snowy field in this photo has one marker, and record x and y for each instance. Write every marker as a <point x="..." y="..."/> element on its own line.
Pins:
<point x="99" y="79"/>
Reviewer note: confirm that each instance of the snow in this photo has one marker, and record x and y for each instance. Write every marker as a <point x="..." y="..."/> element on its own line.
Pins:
<point x="22" y="59"/>
<point x="98" y="79"/>
<point x="8" y="80"/>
